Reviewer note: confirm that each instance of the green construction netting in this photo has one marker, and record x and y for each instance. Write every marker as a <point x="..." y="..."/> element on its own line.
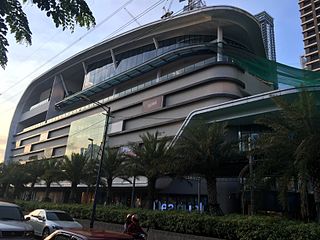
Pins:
<point x="271" y="71"/>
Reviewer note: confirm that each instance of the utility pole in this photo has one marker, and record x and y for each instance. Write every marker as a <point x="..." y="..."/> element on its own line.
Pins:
<point x="133" y="192"/>
<point x="104" y="140"/>
<point x="251" y="177"/>
<point x="91" y="158"/>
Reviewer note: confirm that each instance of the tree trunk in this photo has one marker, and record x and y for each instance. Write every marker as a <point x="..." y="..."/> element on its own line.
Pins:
<point x="16" y="192"/>
<point x="46" y="195"/>
<point x="73" y="194"/>
<point x="87" y="194"/>
<point x="304" y="203"/>
<point x="31" y="191"/>
<point x="151" y="192"/>
<point x="316" y="192"/>
<point x="5" y="190"/>
<point x="109" y="190"/>
<point x="213" y="205"/>
<point x="283" y="195"/>
<point x="132" y="205"/>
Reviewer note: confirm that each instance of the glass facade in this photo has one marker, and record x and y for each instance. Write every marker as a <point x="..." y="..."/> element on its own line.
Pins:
<point x="105" y="69"/>
<point x="247" y="140"/>
<point x="179" y="72"/>
<point x="82" y="129"/>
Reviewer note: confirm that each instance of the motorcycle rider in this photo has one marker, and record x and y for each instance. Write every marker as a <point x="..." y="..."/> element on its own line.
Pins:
<point x="127" y="223"/>
<point x="134" y="228"/>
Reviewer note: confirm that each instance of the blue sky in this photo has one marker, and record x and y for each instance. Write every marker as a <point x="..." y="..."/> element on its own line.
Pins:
<point x="51" y="45"/>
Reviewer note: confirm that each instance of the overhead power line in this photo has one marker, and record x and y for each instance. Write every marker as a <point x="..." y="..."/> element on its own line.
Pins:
<point x="110" y="35"/>
<point x="69" y="46"/>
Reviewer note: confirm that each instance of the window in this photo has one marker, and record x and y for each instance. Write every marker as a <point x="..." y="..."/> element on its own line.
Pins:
<point x="100" y="71"/>
<point x="315" y="65"/>
<point x="310" y="33"/>
<point x="310" y="41"/>
<point x="313" y="57"/>
<point x="62" y="237"/>
<point x="10" y="213"/>
<point x="247" y="140"/>
<point x="311" y="49"/>
<point x="309" y="25"/>
<point x="59" y="216"/>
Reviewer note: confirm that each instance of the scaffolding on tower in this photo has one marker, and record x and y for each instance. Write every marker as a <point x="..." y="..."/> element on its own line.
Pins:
<point x="193" y="4"/>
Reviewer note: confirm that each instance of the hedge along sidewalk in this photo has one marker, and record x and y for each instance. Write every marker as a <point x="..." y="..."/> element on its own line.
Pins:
<point x="226" y="227"/>
<point x="152" y="233"/>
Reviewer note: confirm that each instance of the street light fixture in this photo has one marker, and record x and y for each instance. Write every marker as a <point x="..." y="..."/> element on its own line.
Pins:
<point x="104" y="140"/>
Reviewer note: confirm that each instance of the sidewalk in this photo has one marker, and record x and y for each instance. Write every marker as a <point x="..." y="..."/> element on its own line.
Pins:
<point x="152" y="234"/>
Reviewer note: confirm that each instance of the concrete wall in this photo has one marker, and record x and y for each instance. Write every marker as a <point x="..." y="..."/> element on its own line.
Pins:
<point x="213" y="85"/>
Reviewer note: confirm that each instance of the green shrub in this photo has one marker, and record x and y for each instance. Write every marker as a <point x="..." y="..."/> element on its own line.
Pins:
<point x="233" y="227"/>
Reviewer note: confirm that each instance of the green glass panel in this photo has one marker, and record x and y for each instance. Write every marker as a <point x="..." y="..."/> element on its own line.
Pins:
<point x="83" y="129"/>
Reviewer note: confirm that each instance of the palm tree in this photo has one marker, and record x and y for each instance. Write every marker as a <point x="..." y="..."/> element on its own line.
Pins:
<point x="51" y="174"/>
<point x="201" y="150"/>
<point x="275" y="150"/>
<point x="15" y="175"/>
<point x="296" y="131"/>
<point x="3" y="184"/>
<point x="151" y="159"/>
<point x="35" y="170"/>
<point x="74" y="169"/>
<point x="90" y="177"/>
<point x="112" y="168"/>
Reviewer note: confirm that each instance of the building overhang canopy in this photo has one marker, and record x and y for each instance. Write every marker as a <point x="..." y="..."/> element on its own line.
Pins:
<point x="246" y="110"/>
<point x="133" y="72"/>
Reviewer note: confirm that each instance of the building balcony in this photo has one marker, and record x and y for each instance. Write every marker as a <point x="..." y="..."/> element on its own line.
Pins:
<point x="36" y="110"/>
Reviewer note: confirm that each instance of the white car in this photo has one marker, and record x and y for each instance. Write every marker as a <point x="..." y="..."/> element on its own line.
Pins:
<point x="44" y="222"/>
<point x="12" y="224"/>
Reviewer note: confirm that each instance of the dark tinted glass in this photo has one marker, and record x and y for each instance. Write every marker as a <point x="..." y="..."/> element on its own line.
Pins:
<point x="10" y="213"/>
<point x="58" y="216"/>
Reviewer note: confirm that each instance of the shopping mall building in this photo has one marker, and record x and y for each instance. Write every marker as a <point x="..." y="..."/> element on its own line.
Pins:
<point x="208" y="62"/>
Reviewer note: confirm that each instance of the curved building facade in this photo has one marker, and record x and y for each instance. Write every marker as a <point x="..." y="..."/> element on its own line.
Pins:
<point x="151" y="78"/>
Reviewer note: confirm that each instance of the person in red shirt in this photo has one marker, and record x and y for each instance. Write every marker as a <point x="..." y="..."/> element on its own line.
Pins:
<point x="134" y="228"/>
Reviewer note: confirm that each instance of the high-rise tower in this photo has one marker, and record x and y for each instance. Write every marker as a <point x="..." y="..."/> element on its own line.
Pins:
<point x="267" y="30"/>
<point x="310" y="18"/>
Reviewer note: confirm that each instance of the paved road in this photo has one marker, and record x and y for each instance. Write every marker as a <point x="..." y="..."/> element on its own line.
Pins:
<point x="152" y="234"/>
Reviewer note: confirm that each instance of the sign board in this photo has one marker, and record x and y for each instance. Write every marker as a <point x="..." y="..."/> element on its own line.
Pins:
<point x="152" y="104"/>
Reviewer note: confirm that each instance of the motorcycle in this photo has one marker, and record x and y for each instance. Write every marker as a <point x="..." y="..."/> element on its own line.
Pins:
<point x="140" y="236"/>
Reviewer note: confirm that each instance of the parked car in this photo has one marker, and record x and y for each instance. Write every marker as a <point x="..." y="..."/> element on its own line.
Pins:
<point x="78" y="234"/>
<point x="12" y="223"/>
<point x="45" y="221"/>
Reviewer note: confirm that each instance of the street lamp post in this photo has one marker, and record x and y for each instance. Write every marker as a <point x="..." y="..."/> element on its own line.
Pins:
<point x="104" y="140"/>
<point x="91" y="146"/>
<point x="91" y="158"/>
<point x="252" y="203"/>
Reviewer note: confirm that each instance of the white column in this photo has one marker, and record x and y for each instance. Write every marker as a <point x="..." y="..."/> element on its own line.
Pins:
<point x="219" y="44"/>
<point x="158" y="75"/>
<point x="113" y="59"/>
<point x="155" y="42"/>
<point x="84" y="68"/>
